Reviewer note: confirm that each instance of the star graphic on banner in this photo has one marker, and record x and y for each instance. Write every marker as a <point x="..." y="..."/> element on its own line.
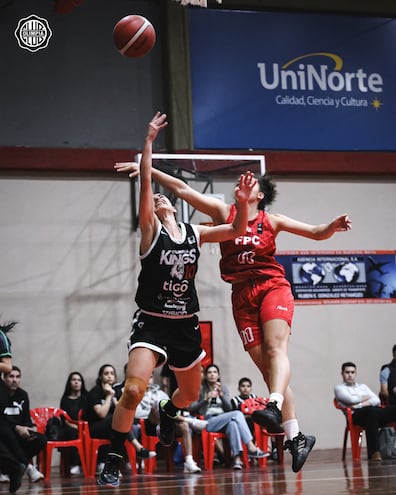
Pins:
<point x="376" y="103"/>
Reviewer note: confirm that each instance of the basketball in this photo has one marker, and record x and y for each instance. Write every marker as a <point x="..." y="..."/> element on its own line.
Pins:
<point x="134" y="36"/>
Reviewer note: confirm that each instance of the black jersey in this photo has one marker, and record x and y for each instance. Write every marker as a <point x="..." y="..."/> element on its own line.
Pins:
<point x="167" y="278"/>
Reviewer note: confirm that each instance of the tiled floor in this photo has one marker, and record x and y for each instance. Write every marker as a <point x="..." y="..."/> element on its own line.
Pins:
<point x="323" y="474"/>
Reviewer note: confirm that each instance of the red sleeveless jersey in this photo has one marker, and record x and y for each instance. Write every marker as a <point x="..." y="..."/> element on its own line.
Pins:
<point x="250" y="256"/>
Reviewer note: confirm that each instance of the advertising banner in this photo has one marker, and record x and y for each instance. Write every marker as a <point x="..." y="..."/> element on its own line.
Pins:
<point x="292" y="81"/>
<point x="339" y="277"/>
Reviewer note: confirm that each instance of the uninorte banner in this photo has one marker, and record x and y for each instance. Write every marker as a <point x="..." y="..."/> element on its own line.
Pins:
<point x="292" y="81"/>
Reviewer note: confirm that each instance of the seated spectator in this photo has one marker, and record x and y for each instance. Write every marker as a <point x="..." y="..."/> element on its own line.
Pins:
<point x="17" y="430"/>
<point x="385" y="373"/>
<point x="148" y="410"/>
<point x="186" y="425"/>
<point x="215" y="406"/>
<point x="12" y="469"/>
<point x="365" y="405"/>
<point x="245" y="392"/>
<point x="74" y="401"/>
<point x="100" y="407"/>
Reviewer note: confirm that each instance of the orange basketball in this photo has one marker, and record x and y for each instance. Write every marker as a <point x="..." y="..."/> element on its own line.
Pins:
<point x="134" y="36"/>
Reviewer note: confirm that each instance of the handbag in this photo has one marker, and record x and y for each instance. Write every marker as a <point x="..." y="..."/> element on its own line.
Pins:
<point x="387" y="442"/>
<point x="55" y="429"/>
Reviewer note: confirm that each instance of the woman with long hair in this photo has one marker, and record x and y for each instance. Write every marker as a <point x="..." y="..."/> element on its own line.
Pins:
<point x="74" y="401"/>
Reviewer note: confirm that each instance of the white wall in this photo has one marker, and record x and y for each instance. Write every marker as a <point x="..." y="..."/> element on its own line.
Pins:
<point x="68" y="271"/>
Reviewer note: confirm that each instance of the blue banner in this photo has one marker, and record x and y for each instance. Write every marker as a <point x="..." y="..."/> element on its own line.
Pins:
<point x="292" y="81"/>
<point x="335" y="277"/>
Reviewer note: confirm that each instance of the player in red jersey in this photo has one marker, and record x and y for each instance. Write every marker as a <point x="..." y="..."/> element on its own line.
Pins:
<point x="262" y="300"/>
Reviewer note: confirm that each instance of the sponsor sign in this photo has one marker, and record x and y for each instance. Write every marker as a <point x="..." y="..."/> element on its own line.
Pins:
<point x="337" y="277"/>
<point x="265" y="80"/>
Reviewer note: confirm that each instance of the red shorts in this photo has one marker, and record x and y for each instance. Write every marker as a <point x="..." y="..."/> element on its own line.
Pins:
<point x="256" y="301"/>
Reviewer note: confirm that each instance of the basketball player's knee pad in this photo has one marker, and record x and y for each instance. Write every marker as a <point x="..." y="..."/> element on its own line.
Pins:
<point x="133" y="392"/>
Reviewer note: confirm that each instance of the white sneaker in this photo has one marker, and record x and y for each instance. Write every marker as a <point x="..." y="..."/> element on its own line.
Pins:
<point x="34" y="474"/>
<point x="190" y="466"/>
<point x="74" y="470"/>
<point x="196" y="424"/>
<point x="4" y="478"/>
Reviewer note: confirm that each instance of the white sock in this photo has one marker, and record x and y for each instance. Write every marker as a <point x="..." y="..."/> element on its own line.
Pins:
<point x="275" y="396"/>
<point x="188" y="458"/>
<point x="291" y="428"/>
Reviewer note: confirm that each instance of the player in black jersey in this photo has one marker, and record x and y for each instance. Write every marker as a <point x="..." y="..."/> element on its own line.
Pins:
<point x="166" y="328"/>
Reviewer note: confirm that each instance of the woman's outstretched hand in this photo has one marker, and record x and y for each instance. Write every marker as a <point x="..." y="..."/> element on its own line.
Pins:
<point x="131" y="167"/>
<point x="342" y="223"/>
<point x="244" y="188"/>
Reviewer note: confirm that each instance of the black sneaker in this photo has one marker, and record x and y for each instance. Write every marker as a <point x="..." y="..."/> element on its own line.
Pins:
<point x="166" y="429"/>
<point x="270" y="418"/>
<point x="16" y="478"/>
<point x="299" y="447"/>
<point x="111" y="471"/>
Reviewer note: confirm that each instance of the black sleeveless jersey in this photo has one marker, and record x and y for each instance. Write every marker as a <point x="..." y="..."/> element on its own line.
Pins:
<point x="167" y="279"/>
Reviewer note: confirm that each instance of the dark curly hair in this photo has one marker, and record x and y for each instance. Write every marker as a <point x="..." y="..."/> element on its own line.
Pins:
<point x="268" y="187"/>
<point x="7" y="326"/>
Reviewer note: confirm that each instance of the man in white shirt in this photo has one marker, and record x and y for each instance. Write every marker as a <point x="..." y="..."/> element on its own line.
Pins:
<point x="365" y="405"/>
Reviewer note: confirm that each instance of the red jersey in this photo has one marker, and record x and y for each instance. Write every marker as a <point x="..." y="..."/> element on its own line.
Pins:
<point x="252" y="255"/>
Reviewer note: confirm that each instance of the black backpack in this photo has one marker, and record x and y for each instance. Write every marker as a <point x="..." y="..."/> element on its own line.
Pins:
<point x="55" y="429"/>
<point x="392" y="384"/>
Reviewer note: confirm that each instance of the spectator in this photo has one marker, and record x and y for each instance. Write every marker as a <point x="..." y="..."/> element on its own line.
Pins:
<point x="366" y="409"/>
<point x="74" y="401"/>
<point x="12" y="469"/>
<point x="100" y="407"/>
<point x="17" y="430"/>
<point x="245" y="392"/>
<point x="215" y="406"/>
<point x="384" y="377"/>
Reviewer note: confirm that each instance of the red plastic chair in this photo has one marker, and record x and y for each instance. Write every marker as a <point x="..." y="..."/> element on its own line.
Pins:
<point x="40" y="416"/>
<point x="92" y="446"/>
<point x="262" y="440"/>
<point x="355" y="432"/>
<point x="150" y="442"/>
<point x="208" y="448"/>
<point x="260" y="432"/>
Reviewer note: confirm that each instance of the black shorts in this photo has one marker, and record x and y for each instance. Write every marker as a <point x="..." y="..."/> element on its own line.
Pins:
<point x="177" y="341"/>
